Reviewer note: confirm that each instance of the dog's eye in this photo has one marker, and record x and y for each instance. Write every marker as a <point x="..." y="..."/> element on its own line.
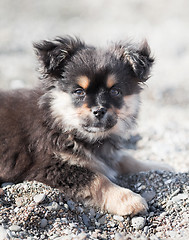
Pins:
<point x="79" y="92"/>
<point x="114" y="92"/>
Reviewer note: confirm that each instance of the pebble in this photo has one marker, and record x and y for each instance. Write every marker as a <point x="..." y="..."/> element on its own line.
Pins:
<point x="168" y="181"/>
<point x="112" y="224"/>
<point x="71" y="205"/>
<point x="80" y="209"/>
<point x="92" y="212"/>
<point x="148" y="195"/>
<point x="39" y="198"/>
<point x="102" y="220"/>
<point x="44" y="223"/>
<point x="118" y="218"/>
<point x="180" y="197"/>
<point x="97" y="224"/>
<point x="169" y="203"/>
<point x="86" y="220"/>
<point x="138" y="222"/>
<point x="163" y="214"/>
<point x="119" y="236"/>
<point x="3" y="233"/>
<point x="54" y="206"/>
<point x="15" y="228"/>
<point x="19" y="201"/>
<point x="145" y="230"/>
<point x="142" y="187"/>
<point x="82" y="236"/>
<point x="175" y="193"/>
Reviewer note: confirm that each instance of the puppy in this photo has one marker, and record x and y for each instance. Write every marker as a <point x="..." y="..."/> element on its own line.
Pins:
<point x="68" y="131"/>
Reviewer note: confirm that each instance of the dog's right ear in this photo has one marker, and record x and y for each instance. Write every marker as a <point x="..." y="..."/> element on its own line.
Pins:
<point x="52" y="55"/>
<point x="137" y="57"/>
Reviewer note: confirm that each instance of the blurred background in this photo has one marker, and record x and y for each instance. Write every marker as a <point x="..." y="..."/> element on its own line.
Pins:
<point x="164" y="122"/>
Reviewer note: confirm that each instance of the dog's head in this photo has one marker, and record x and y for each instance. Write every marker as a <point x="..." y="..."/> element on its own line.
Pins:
<point x="90" y="90"/>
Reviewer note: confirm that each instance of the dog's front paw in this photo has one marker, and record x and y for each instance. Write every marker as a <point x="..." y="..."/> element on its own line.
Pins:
<point x="123" y="201"/>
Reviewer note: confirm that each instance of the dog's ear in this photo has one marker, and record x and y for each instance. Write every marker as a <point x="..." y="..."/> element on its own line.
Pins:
<point x="53" y="54"/>
<point x="138" y="58"/>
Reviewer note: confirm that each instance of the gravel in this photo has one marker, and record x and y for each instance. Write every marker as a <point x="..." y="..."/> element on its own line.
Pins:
<point x="168" y="215"/>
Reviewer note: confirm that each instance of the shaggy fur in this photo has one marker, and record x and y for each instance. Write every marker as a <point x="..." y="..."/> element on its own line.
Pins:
<point x="68" y="131"/>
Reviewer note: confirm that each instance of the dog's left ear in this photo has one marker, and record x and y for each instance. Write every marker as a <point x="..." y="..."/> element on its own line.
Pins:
<point x="53" y="54"/>
<point x="138" y="58"/>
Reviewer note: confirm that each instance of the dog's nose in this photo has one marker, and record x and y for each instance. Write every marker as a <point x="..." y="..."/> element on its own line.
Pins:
<point x="99" y="112"/>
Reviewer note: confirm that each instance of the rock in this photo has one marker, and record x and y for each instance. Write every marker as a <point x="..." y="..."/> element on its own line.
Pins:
<point x="86" y="220"/>
<point x="112" y="224"/>
<point x="149" y="195"/>
<point x="97" y="224"/>
<point x="118" y="218"/>
<point x="19" y="201"/>
<point x="44" y="223"/>
<point x="142" y="187"/>
<point x="119" y="236"/>
<point x="168" y="181"/>
<point x="169" y="203"/>
<point x="179" y="197"/>
<point x="102" y="220"/>
<point x="163" y="214"/>
<point x="16" y="209"/>
<point x="82" y="236"/>
<point x="80" y="209"/>
<point x="54" y="206"/>
<point x="73" y="225"/>
<point x="67" y="232"/>
<point x="92" y="212"/>
<point x="146" y="229"/>
<point x="138" y="222"/>
<point x="94" y="234"/>
<point x="175" y="193"/>
<point x="71" y="205"/>
<point x="15" y="228"/>
<point x="68" y="237"/>
<point x="3" y="233"/>
<point x="66" y="206"/>
<point x="39" y="198"/>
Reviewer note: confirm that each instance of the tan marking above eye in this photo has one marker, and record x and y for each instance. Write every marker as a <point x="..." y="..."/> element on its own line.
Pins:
<point x="83" y="81"/>
<point x="111" y="81"/>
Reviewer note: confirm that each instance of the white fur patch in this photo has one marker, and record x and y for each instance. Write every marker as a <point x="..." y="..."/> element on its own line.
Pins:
<point x="63" y="110"/>
<point x="126" y="115"/>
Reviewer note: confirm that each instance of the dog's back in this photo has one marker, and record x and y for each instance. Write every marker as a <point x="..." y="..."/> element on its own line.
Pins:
<point x="17" y="111"/>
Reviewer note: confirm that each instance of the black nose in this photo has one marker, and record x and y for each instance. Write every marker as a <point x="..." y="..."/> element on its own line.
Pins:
<point x="99" y="112"/>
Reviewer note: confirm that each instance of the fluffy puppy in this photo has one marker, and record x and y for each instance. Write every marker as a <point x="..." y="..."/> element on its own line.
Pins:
<point x="68" y="131"/>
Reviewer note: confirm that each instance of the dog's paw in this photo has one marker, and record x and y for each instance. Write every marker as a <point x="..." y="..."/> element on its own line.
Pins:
<point x="123" y="201"/>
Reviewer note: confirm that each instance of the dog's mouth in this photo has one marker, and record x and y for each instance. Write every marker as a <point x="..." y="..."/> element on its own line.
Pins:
<point x="91" y="129"/>
<point x="99" y="127"/>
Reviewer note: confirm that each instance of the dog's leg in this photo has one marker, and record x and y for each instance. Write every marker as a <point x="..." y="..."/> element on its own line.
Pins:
<point x="125" y="163"/>
<point x="113" y="198"/>
<point x="91" y="188"/>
